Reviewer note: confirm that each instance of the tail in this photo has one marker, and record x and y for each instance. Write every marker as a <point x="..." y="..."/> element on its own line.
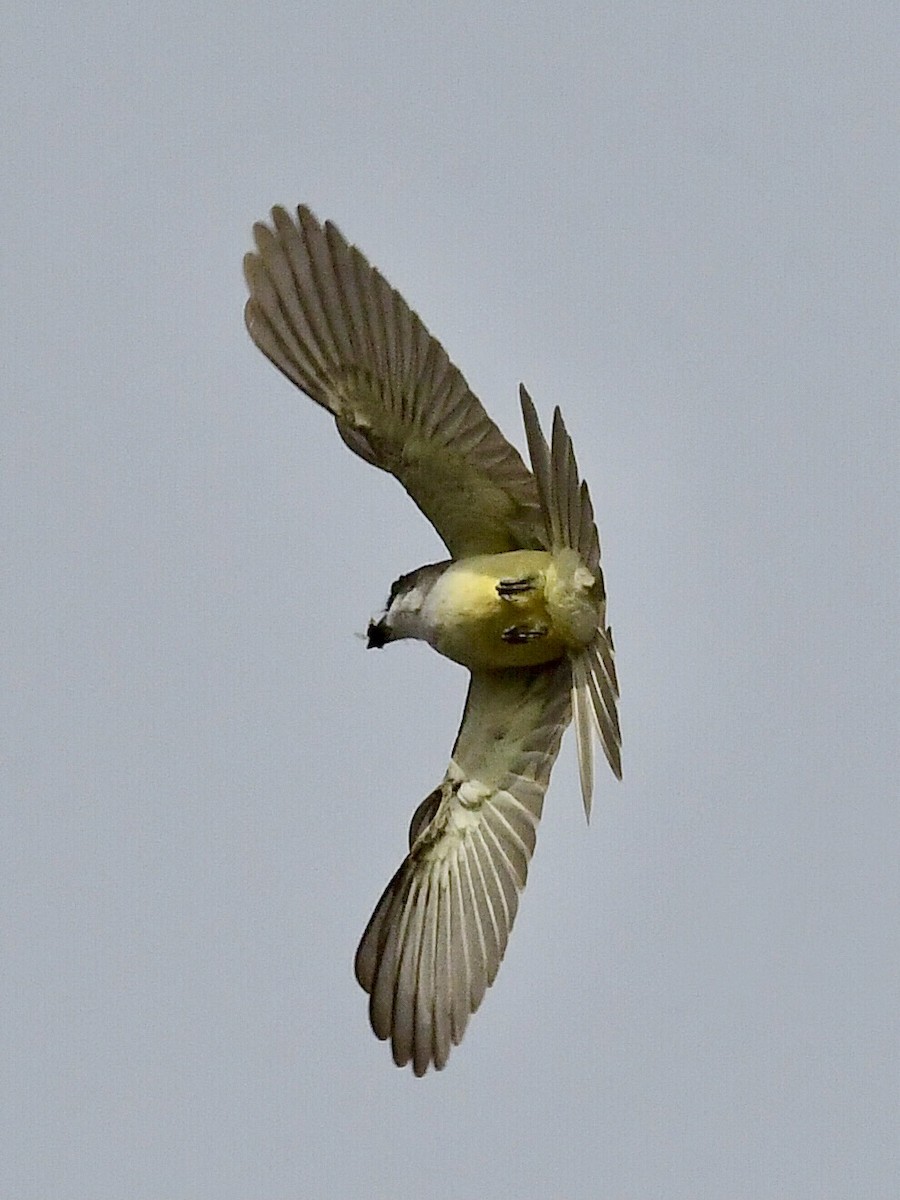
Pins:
<point x="569" y="518"/>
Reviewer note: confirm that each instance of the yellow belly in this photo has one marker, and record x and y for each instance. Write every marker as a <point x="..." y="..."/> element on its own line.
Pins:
<point x="476" y="626"/>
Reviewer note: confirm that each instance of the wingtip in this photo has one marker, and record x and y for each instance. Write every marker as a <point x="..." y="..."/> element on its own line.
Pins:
<point x="249" y="265"/>
<point x="539" y="453"/>
<point x="249" y="315"/>
<point x="530" y="417"/>
<point x="529" y="412"/>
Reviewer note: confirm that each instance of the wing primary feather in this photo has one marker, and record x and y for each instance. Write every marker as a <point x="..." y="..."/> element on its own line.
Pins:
<point x="372" y="942"/>
<point x="383" y="296"/>
<point x="573" y="495"/>
<point x="476" y="936"/>
<point x="444" y="974"/>
<point x="365" y="281"/>
<point x="406" y="980"/>
<point x="291" y="246"/>
<point x="325" y="291"/>
<point x="460" y="970"/>
<point x="272" y="282"/>
<point x="493" y="942"/>
<point x="350" y="300"/>
<point x="514" y="849"/>
<point x="381" y="997"/>
<point x="496" y="890"/>
<point x="539" y="452"/>
<point x="588" y="538"/>
<point x="424" y="991"/>
<point x="272" y="332"/>
<point x="282" y="255"/>
<point x="559" y="460"/>
<point x="431" y="363"/>
<point x="273" y="347"/>
<point x="405" y="322"/>
<point x="425" y="814"/>
<point x="506" y="875"/>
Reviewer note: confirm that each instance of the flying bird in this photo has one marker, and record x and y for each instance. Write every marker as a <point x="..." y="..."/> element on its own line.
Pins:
<point x="520" y="602"/>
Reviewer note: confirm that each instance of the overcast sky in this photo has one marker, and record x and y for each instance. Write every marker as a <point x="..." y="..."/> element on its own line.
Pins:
<point x="679" y="222"/>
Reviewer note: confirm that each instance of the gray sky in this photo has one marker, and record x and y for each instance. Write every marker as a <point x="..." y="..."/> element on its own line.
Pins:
<point x="679" y="222"/>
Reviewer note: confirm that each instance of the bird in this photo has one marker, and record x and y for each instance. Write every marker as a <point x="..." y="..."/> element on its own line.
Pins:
<point x="520" y="602"/>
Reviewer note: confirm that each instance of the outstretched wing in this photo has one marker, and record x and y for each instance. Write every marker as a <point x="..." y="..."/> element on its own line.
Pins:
<point x="334" y="326"/>
<point x="439" y="931"/>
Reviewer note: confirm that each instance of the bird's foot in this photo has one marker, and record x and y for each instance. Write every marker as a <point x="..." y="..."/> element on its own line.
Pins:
<point x="507" y="588"/>
<point x="519" y="635"/>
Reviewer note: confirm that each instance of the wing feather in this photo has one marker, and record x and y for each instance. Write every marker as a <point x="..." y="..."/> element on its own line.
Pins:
<point x="485" y="901"/>
<point x="474" y="930"/>
<point x="561" y="478"/>
<point x="538" y="451"/>
<point x="516" y="852"/>
<point x="441" y="1015"/>
<point x="457" y="982"/>
<point x="334" y="326"/>
<point x="439" y="932"/>
<point x="386" y="958"/>
<point x="504" y="872"/>
<point x="408" y="982"/>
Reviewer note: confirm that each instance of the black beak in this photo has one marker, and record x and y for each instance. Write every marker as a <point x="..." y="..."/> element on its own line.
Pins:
<point x="378" y="634"/>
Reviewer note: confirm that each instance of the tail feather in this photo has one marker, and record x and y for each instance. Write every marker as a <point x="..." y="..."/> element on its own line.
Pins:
<point x="604" y="686"/>
<point x="569" y="521"/>
<point x="584" y="734"/>
<point x="603" y="705"/>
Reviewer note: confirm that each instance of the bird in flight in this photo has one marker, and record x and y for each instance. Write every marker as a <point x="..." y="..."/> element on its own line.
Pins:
<point x="520" y="602"/>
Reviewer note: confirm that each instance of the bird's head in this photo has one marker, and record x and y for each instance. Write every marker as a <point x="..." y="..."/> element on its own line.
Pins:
<point x="403" y="615"/>
<point x="378" y="634"/>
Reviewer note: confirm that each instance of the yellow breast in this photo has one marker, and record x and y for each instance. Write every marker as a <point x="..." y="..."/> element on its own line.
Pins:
<point x="480" y="622"/>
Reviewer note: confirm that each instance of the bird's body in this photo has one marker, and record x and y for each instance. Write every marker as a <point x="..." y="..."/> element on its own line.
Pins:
<point x="521" y="603"/>
<point x="489" y="611"/>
